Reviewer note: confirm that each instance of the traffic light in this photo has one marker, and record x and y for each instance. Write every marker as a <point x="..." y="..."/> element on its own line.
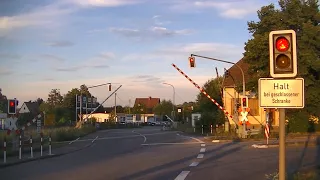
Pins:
<point x="283" y="54"/>
<point x="226" y="73"/>
<point x="109" y="87"/>
<point x="244" y="102"/>
<point x="12" y="106"/>
<point x="192" y="62"/>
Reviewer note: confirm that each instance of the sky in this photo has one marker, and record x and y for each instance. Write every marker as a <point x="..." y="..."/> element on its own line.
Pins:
<point x="48" y="44"/>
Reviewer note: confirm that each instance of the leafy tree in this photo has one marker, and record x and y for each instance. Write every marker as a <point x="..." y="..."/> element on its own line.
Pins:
<point x="55" y="98"/>
<point x="3" y="103"/>
<point x="139" y="109"/>
<point x="303" y="17"/>
<point x="206" y="107"/>
<point x="163" y="108"/>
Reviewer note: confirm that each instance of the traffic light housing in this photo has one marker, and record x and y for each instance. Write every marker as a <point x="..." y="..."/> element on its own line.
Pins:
<point x="244" y="102"/>
<point x="226" y="73"/>
<point x="109" y="87"/>
<point x="283" y="54"/>
<point x="12" y="106"/>
<point x="192" y="62"/>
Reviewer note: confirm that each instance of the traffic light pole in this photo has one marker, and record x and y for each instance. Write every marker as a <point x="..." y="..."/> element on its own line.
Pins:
<point x="243" y="83"/>
<point x="282" y="144"/>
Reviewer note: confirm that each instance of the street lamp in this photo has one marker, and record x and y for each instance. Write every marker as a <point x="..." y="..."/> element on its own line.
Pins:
<point x="173" y="99"/>
<point x="243" y="80"/>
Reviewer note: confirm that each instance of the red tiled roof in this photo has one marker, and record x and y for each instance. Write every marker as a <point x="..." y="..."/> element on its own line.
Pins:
<point x="148" y="102"/>
<point x="235" y="72"/>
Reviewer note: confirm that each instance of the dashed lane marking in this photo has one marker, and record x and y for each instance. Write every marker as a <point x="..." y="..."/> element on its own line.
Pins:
<point x="203" y="145"/>
<point x="202" y="150"/>
<point x="194" y="164"/>
<point x="200" y="156"/>
<point x="182" y="175"/>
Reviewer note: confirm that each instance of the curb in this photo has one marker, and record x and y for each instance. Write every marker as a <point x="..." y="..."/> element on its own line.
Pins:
<point x="2" y="166"/>
<point x="287" y="144"/>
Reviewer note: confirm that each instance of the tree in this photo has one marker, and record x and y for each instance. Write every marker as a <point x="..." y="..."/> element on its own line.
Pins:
<point x="139" y="109"/>
<point x="163" y="108"/>
<point x="303" y="17"/>
<point x="3" y="103"/>
<point x="39" y="101"/>
<point x="211" y="112"/>
<point x="55" y="98"/>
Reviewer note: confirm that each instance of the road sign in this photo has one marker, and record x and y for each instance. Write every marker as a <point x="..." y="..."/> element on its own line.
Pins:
<point x="281" y="93"/>
<point x="244" y="116"/>
<point x="38" y="126"/>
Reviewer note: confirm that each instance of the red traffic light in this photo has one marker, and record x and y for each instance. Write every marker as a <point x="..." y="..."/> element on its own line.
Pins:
<point x="11" y="103"/>
<point x="282" y="44"/>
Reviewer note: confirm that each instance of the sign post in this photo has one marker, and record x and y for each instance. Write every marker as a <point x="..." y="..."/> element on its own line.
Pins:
<point x="285" y="90"/>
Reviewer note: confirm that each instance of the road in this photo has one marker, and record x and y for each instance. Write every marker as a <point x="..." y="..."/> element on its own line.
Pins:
<point x="150" y="154"/>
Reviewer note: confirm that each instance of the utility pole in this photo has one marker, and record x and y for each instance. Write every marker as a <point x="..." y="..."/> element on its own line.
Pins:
<point x="115" y="107"/>
<point x="129" y="106"/>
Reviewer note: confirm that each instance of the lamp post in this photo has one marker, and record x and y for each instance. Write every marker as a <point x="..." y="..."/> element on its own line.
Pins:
<point x="173" y="99"/>
<point x="243" y="80"/>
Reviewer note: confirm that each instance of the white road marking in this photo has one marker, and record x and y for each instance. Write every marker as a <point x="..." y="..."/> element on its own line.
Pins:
<point x="182" y="175"/>
<point x="202" y="150"/>
<point x="74" y="140"/>
<point x="203" y="145"/>
<point x="194" y="164"/>
<point x="117" y="137"/>
<point x="95" y="139"/>
<point x="144" y="137"/>
<point x="200" y="156"/>
<point x="153" y="144"/>
<point x="192" y="138"/>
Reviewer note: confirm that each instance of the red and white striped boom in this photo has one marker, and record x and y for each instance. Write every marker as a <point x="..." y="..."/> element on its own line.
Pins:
<point x="203" y="92"/>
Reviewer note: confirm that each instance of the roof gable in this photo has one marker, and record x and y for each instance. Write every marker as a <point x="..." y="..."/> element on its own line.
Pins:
<point x="33" y="107"/>
<point x="235" y="72"/>
<point x="148" y="102"/>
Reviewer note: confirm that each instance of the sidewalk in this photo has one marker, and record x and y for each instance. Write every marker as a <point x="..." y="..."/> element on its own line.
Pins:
<point x="58" y="149"/>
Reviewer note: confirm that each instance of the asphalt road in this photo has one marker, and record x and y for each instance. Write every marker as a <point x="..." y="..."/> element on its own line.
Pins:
<point x="150" y="154"/>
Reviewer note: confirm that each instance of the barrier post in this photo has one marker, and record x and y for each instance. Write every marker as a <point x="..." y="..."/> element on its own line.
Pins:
<point x="202" y="129"/>
<point x="5" y="149"/>
<point x="50" y="153"/>
<point x="31" y="150"/>
<point x="41" y="145"/>
<point x="20" y="147"/>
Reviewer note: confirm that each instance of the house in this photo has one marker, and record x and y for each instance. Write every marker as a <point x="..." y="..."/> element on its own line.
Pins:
<point x="231" y="99"/>
<point x="149" y="103"/>
<point x="29" y="107"/>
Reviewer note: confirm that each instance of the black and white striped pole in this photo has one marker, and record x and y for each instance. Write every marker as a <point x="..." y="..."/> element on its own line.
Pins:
<point x="50" y="153"/>
<point x="41" y="145"/>
<point x="5" y="150"/>
<point x="20" y="146"/>
<point x="31" y="149"/>
<point x="202" y="129"/>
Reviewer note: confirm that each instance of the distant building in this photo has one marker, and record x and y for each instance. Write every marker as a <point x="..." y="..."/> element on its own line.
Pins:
<point x="29" y="107"/>
<point x="257" y="115"/>
<point x="149" y="103"/>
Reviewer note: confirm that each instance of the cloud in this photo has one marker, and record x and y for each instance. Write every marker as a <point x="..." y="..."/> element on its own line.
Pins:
<point x="104" y="3"/>
<point x="147" y="79"/>
<point x="54" y="14"/>
<point x="51" y="58"/>
<point x="5" y="71"/>
<point x="151" y="33"/>
<point x="9" y="56"/>
<point x="234" y="9"/>
<point x="101" y="61"/>
<point x="61" y="44"/>
<point x="158" y="22"/>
